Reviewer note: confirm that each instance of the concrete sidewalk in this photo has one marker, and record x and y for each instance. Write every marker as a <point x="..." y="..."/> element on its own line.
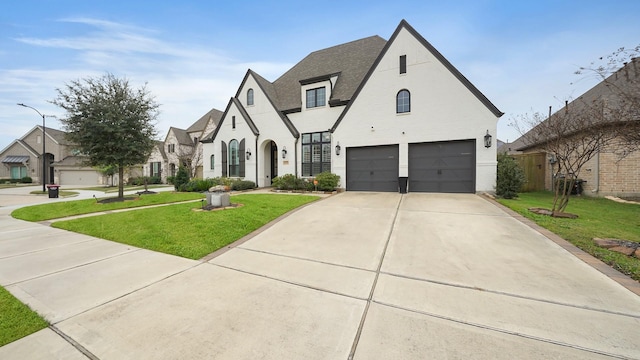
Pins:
<point x="354" y="276"/>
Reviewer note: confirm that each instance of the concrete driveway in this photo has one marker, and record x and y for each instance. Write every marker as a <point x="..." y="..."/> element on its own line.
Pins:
<point x="354" y="276"/>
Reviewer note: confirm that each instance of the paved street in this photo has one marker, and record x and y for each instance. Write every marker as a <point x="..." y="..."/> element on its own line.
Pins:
<point x="353" y="276"/>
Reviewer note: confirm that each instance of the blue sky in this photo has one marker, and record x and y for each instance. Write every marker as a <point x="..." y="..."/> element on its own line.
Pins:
<point x="193" y="54"/>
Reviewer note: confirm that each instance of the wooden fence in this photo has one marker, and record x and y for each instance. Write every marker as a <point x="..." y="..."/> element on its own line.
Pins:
<point x="534" y="166"/>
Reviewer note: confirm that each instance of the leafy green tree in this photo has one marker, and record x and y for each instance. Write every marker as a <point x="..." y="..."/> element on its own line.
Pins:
<point x="111" y="123"/>
<point x="510" y="177"/>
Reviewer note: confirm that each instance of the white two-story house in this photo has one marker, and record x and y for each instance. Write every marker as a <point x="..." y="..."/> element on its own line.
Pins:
<point x="383" y="115"/>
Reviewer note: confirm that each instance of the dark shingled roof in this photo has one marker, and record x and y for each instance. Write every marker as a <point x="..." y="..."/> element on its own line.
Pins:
<point x="201" y="123"/>
<point x="160" y="146"/>
<point x="351" y="60"/>
<point x="626" y="79"/>
<point x="182" y="136"/>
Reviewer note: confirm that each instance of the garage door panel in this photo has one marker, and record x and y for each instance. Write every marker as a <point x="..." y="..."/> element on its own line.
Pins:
<point x="373" y="168"/>
<point x="78" y="177"/>
<point x="442" y="167"/>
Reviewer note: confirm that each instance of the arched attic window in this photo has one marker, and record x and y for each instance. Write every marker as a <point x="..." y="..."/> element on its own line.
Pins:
<point x="249" y="97"/>
<point x="403" y="101"/>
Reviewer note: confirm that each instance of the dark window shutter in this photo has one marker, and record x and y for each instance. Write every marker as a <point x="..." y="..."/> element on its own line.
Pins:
<point x="242" y="157"/>
<point x="224" y="158"/>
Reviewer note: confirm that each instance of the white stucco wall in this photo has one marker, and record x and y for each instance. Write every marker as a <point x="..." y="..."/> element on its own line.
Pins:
<point x="442" y="109"/>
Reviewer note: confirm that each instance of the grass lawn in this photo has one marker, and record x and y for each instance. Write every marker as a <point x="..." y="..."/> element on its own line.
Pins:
<point x="179" y="230"/>
<point x="598" y="217"/>
<point x="70" y="208"/>
<point x="16" y="319"/>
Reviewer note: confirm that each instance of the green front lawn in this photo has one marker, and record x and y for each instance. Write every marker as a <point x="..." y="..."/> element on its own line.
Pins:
<point x="16" y="319"/>
<point x="70" y="208"/>
<point x="598" y="217"/>
<point x="114" y="189"/>
<point x="179" y="230"/>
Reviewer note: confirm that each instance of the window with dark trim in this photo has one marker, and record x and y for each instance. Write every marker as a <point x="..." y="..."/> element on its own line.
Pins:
<point x="171" y="148"/>
<point x="250" y="97"/>
<point x="234" y="159"/>
<point x="316" y="153"/>
<point x="212" y="161"/>
<point x="403" y="101"/>
<point x="403" y="64"/>
<point x="316" y="97"/>
<point x="233" y="122"/>
<point x="155" y="169"/>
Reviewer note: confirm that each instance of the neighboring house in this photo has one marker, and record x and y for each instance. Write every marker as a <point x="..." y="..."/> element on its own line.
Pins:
<point x="607" y="173"/>
<point x="23" y="158"/>
<point x="182" y="147"/>
<point x="374" y="112"/>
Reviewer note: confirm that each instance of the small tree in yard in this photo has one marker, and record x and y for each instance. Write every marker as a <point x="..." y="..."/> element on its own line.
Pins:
<point x="182" y="177"/>
<point x="510" y="177"/>
<point x="607" y="119"/>
<point x="111" y="123"/>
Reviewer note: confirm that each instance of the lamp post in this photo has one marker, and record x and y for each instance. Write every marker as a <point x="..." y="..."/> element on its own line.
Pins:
<point x="44" y="163"/>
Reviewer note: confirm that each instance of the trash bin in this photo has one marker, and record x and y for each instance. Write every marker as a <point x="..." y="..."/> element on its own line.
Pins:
<point x="402" y="181"/>
<point x="53" y="190"/>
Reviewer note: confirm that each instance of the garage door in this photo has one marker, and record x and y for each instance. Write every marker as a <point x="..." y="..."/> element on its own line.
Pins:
<point x="372" y="168"/>
<point x="78" y="177"/>
<point x="442" y="167"/>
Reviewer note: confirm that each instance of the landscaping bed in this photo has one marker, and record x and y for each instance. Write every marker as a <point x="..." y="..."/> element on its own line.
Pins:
<point x="597" y="218"/>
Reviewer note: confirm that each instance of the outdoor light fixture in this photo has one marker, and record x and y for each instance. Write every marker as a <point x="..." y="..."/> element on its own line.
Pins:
<point x="338" y="148"/>
<point x="248" y="153"/>
<point x="44" y="163"/>
<point x="487" y="140"/>
<point x="284" y="152"/>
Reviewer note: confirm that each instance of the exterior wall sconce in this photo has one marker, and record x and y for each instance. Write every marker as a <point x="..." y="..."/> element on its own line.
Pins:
<point x="487" y="140"/>
<point x="248" y="153"/>
<point x="338" y="148"/>
<point x="284" y="152"/>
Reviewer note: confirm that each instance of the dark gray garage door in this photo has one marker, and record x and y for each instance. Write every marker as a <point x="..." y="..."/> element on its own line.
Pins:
<point x="443" y="167"/>
<point x="372" y="168"/>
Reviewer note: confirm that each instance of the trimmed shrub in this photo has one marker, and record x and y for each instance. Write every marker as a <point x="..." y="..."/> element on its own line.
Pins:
<point x="181" y="178"/>
<point x="327" y="181"/>
<point x="510" y="177"/>
<point x="154" y="180"/>
<point x="171" y="179"/>
<point x="26" y="180"/>
<point x="243" y="185"/>
<point x="289" y="182"/>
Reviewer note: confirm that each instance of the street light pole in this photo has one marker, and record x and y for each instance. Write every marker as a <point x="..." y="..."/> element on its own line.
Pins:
<point x="44" y="152"/>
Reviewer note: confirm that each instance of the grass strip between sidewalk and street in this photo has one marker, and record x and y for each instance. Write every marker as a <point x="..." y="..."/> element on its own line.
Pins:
<point x="70" y="208"/>
<point x="597" y="218"/>
<point x="184" y="231"/>
<point x="17" y="320"/>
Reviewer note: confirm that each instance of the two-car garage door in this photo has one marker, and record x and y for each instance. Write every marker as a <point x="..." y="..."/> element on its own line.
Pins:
<point x="433" y="167"/>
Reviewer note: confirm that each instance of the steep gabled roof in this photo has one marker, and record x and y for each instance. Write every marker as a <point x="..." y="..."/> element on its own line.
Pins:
<point x="350" y="60"/>
<point x="182" y="136"/>
<point x="58" y="136"/>
<point x="245" y="116"/>
<point x="404" y="25"/>
<point x="201" y="124"/>
<point x="24" y="145"/>
<point x="160" y="146"/>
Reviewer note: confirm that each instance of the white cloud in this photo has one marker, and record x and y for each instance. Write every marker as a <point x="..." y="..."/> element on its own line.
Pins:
<point x="187" y="80"/>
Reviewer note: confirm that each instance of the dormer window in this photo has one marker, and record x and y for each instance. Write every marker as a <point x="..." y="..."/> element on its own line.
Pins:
<point x="249" y="97"/>
<point x="316" y="97"/>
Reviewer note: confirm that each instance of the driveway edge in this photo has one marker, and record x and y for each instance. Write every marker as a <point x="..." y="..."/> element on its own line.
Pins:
<point x="622" y="279"/>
